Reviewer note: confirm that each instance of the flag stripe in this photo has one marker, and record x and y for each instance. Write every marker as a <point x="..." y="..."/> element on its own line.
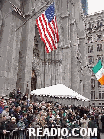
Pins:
<point x="101" y="80"/>
<point x="97" y="67"/>
<point x="99" y="73"/>
<point x="53" y="27"/>
<point x="48" y="30"/>
<point x="48" y="27"/>
<point x="55" y="31"/>
<point x="42" y="36"/>
<point x="40" y="26"/>
<point x="53" y="22"/>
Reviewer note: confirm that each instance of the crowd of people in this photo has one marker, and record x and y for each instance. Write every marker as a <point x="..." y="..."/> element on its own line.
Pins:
<point x="17" y="112"/>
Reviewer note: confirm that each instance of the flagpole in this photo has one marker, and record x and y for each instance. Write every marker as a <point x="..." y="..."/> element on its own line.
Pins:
<point x="55" y="51"/>
<point x="51" y="54"/>
<point x="31" y="16"/>
<point x="44" y="67"/>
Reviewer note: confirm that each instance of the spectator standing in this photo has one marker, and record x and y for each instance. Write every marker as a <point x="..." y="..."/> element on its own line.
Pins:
<point x="102" y="120"/>
<point x="92" y="125"/>
<point x="3" y="127"/>
<point x="99" y="120"/>
<point x="11" y="111"/>
<point x="12" y="124"/>
<point x="5" y="112"/>
<point x="19" y="94"/>
<point x="84" y="121"/>
<point x="25" y="120"/>
<point x="21" y="127"/>
<point x="12" y="127"/>
<point x="2" y="103"/>
<point x="17" y="114"/>
<point x="12" y="94"/>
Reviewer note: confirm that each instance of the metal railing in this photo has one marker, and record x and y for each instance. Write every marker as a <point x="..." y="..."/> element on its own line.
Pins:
<point x="15" y="134"/>
<point x="24" y="134"/>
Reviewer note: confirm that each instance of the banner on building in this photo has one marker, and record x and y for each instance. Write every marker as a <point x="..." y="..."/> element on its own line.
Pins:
<point x="17" y="10"/>
<point x="48" y="29"/>
<point x="99" y="72"/>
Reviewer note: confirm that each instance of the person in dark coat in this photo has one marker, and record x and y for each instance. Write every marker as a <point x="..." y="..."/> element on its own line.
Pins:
<point x="98" y="130"/>
<point x="12" y="124"/>
<point x="3" y="127"/>
<point x="102" y="120"/>
<point x="51" y="124"/>
<point x="11" y="111"/>
<point x="25" y="120"/>
<point x="17" y="114"/>
<point x="25" y="97"/>
<point x="19" y="94"/>
<point x="92" y="124"/>
<point x="12" y="127"/>
<point x="12" y="94"/>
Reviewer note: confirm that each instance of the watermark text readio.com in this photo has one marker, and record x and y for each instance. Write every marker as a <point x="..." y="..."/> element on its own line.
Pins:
<point x="62" y="132"/>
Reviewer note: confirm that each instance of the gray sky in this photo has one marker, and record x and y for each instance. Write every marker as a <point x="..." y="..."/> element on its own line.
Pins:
<point x="95" y="6"/>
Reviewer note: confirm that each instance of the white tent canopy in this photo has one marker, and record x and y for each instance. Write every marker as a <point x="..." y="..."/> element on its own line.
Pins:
<point x="59" y="90"/>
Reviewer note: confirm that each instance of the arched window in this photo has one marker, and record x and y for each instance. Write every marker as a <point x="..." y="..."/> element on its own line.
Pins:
<point x="92" y="95"/>
<point x="92" y="83"/>
<point x="99" y="47"/>
<point x="36" y="43"/>
<point x="33" y="80"/>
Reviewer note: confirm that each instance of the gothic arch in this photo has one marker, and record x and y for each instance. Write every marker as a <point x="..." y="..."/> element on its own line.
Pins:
<point x="33" y="80"/>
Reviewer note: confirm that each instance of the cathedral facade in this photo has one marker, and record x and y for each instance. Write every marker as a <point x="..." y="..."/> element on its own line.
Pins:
<point x="24" y="62"/>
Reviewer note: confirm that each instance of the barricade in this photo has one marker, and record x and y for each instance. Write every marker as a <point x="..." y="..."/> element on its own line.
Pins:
<point x="15" y="134"/>
<point x="5" y="136"/>
<point x="24" y="134"/>
<point x="36" y="137"/>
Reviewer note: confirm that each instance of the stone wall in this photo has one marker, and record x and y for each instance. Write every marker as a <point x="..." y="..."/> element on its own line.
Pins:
<point x="17" y="57"/>
<point x="9" y="47"/>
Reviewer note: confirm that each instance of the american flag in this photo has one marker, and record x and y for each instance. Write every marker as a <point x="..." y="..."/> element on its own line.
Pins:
<point x="48" y="29"/>
<point x="16" y="9"/>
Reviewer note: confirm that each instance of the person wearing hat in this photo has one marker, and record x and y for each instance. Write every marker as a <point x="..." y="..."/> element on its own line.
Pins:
<point x="12" y="124"/>
<point x="5" y="112"/>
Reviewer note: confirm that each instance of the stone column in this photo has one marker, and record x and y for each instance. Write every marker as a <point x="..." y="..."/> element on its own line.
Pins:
<point x="65" y="47"/>
<point x="26" y="56"/>
<point x="3" y="53"/>
<point x="74" y="66"/>
<point x="9" y="50"/>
